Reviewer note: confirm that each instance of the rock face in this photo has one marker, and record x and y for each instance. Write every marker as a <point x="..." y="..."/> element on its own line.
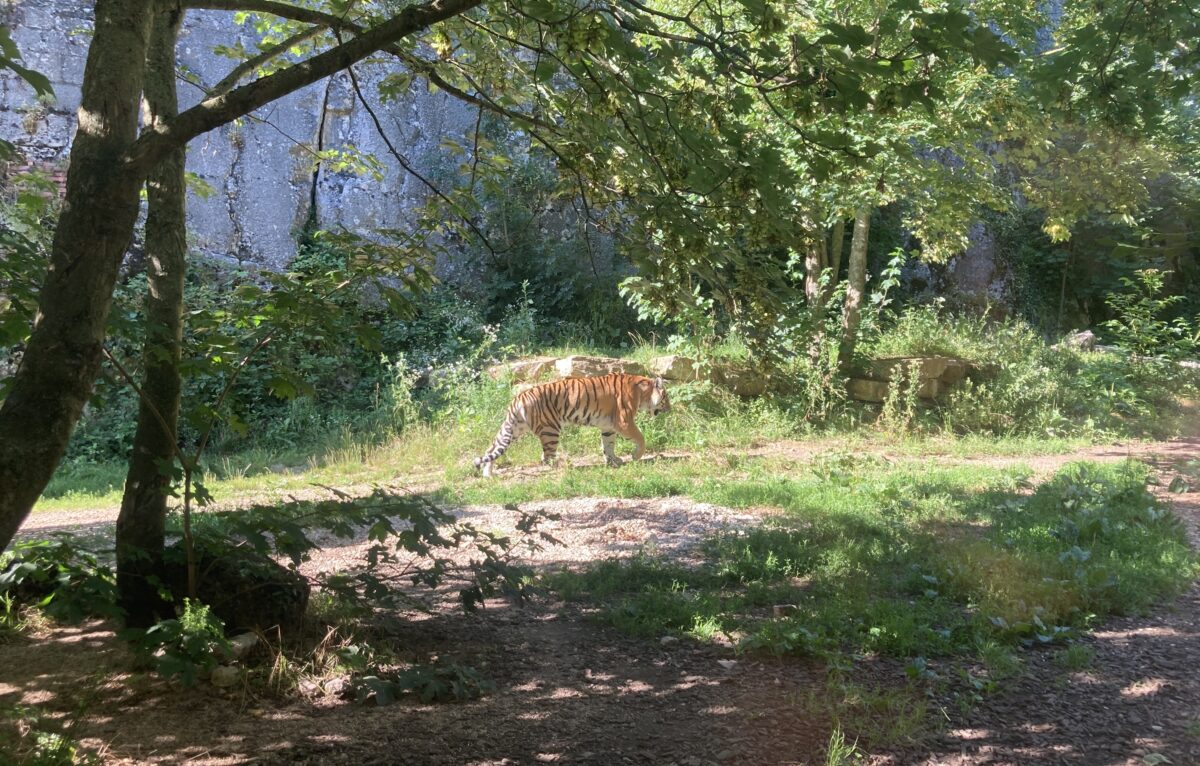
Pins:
<point x="261" y="172"/>
<point x="975" y="276"/>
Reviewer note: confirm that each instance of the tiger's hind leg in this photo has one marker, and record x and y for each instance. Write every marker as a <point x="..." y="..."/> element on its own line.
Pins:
<point x="549" y="437"/>
<point x="608" y="443"/>
<point x="509" y="430"/>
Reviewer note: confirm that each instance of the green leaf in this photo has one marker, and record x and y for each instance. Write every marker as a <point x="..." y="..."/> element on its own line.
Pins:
<point x="544" y="69"/>
<point x="851" y="35"/>
<point x="38" y="81"/>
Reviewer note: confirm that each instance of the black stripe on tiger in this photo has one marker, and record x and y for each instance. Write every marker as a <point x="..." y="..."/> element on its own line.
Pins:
<point x="609" y="402"/>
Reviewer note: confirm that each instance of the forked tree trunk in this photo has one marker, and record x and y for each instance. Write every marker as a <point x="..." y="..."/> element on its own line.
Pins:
<point x="856" y="278"/>
<point x="140" y="526"/>
<point x="63" y="354"/>
<point x="831" y="263"/>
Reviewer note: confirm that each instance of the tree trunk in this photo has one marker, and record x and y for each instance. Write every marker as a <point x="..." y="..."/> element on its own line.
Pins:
<point x="140" y="526"/>
<point x="63" y="354"/>
<point x="815" y="262"/>
<point x="835" y="258"/>
<point x="856" y="278"/>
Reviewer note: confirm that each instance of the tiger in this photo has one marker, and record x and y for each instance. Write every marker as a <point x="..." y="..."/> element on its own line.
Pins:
<point x="608" y="402"/>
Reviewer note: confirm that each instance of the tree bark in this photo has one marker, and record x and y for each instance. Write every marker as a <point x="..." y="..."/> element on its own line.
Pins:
<point x="63" y="354"/>
<point x="107" y="166"/>
<point x="856" y="278"/>
<point x="835" y="257"/>
<point x="814" y="266"/>
<point x="140" y="525"/>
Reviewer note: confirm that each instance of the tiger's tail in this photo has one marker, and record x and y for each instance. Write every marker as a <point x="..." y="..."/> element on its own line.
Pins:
<point x="504" y="437"/>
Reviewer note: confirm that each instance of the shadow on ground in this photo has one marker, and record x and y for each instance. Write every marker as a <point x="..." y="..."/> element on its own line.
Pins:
<point x="568" y="692"/>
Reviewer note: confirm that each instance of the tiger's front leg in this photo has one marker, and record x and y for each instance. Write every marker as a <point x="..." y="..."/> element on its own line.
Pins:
<point x="608" y="443"/>
<point x="632" y="433"/>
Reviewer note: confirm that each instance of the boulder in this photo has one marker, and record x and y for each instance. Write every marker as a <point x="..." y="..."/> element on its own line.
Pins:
<point x="956" y="370"/>
<point x="926" y="367"/>
<point x="245" y="590"/>
<point x="240" y="645"/>
<point x="590" y="366"/>
<point x="864" y="390"/>
<point x="929" y="389"/>
<point x="1085" y="340"/>
<point x="674" y="367"/>
<point x="224" y="676"/>
<point x="523" y="369"/>
<point x="741" y="381"/>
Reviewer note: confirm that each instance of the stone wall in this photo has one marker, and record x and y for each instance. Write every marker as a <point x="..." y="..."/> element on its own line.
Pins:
<point x="260" y="169"/>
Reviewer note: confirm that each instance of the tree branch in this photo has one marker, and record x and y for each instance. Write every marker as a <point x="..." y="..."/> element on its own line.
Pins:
<point x="249" y="65"/>
<point x="404" y="163"/>
<point x="218" y="110"/>
<point x="271" y="8"/>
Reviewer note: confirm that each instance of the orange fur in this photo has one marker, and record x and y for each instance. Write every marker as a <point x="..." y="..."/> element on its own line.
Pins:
<point x="608" y="402"/>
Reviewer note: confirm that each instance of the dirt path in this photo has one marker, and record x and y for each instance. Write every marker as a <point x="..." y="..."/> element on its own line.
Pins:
<point x="570" y="691"/>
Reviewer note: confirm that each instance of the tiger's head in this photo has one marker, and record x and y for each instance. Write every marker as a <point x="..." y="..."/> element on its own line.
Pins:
<point x="659" y="402"/>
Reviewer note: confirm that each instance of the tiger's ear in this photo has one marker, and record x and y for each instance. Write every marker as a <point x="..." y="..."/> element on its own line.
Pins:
<point x="659" y="384"/>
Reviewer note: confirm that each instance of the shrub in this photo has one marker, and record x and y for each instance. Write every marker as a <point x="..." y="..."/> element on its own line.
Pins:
<point x="60" y="576"/>
<point x="1020" y="385"/>
<point x="188" y="647"/>
<point x="1141" y="325"/>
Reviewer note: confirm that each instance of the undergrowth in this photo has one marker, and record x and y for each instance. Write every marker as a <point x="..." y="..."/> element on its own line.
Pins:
<point x="427" y="405"/>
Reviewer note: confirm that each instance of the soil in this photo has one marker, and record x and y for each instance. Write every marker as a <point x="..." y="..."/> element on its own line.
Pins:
<point x="571" y="691"/>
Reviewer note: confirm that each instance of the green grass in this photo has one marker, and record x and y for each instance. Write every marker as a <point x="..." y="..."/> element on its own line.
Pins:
<point x="906" y="561"/>
<point x="461" y="421"/>
<point x="1033" y="401"/>
<point x="1075" y="657"/>
<point x="958" y="564"/>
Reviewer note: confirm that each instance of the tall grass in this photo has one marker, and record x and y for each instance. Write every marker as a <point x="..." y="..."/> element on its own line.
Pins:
<point x="1021" y="385"/>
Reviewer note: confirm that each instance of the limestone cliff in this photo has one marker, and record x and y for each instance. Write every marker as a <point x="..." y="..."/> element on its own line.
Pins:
<point x="261" y="169"/>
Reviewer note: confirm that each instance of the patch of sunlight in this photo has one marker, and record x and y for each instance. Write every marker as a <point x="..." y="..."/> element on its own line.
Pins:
<point x="1144" y="688"/>
<point x="636" y="687"/>
<point x="970" y="734"/>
